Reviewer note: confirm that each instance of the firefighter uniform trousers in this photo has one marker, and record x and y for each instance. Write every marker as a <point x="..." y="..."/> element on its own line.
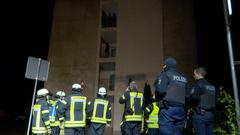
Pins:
<point x="100" y="115"/>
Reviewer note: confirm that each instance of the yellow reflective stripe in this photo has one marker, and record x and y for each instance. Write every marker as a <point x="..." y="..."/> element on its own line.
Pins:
<point x="45" y="111"/>
<point x="74" y="124"/>
<point x="148" y="109"/>
<point x="134" y="95"/>
<point x="89" y="103"/>
<point x="47" y="122"/>
<point x="72" y="106"/>
<point x="133" y="117"/>
<point x="99" y="120"/>
<point x="37" y="109"/>
<point x="56" y="107"/>
<point x="64" y="102"/>
<point x="62" y="118"/>
<point x="109" y="119"/>
<point x="105" y="106"/>
<point x="153" y="125"/>
<point x="110" y="108"/>
<point x="56" y="123"/>
<point x="39" y="130"/>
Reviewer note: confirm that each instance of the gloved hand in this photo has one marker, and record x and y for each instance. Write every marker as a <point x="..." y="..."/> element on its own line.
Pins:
<point x="49" y="131"/>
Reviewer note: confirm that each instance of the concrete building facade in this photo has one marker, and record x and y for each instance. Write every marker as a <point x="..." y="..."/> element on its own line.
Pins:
<point x="144" y="34"/>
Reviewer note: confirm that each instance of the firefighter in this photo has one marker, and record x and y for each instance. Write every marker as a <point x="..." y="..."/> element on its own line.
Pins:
<point x="133" y="112"/>
<point x="40" y="121"/>
<point x="72" y="111"/>
<point x="53" y="117"/>
<point x="99" y="113"/>
<point x="151" y="115"/>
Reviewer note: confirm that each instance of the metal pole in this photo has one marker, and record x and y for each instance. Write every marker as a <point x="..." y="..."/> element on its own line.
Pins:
<point x="231" y="58"/>
<point x="33" y="98"/>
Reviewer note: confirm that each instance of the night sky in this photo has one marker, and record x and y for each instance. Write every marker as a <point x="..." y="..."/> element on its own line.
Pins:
<point x="26" y="32"/>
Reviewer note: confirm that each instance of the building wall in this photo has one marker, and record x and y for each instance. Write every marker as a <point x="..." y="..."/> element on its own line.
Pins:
<point x="73" y="45"/>
<point x="179" y="36"/>
<point x="147" y="33"/>
<point x="139" y="46"/>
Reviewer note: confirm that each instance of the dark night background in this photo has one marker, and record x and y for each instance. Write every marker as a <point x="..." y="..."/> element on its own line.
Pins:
<point x="26" y="27"/>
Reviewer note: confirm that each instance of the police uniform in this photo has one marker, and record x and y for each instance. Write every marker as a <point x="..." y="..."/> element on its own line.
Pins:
<point x="171" y="88"/>
<point x="40" y="120"/>
<point x="99" y="114"/>
<point x="151" y="114"/>
<point x="203" y="94"/>
<point x="73" y="111"/>
<point x="133" y="113"/>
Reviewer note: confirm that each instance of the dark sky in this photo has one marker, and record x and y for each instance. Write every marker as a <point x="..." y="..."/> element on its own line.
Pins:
<point x="26" y="32"/>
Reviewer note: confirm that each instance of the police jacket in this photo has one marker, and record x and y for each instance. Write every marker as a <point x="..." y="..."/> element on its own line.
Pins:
<point x="73" y="110"/>
<point x="99" y="110"/>
<point x="151" y="114"/>
<point x="203" y="94"/>
<point x="133" y="110"/>
<point x="40" y="120"/>
<point x="170" y="86"/>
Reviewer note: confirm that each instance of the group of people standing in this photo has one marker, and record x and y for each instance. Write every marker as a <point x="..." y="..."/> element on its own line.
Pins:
<point x="71" y="114"/>
<point x="165" y="114"/>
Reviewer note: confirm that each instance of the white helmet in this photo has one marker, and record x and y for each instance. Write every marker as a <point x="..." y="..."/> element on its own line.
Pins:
<point x="42" y="92"/>
<point x="76" y="86"/>
<point x="102" y="91"/>
<point x="60" y="93"/>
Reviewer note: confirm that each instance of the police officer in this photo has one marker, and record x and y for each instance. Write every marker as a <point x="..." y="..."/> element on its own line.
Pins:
<point x="203" y="94"/>
<point x="133" y="110"/>
<point x="40" y="121"/>
<point x="99" y="112"/>
<point x="151" y="115"/>
<point x="53" y="117"/>
<point x="73" y="111"/>
<point x="170" y="88"/>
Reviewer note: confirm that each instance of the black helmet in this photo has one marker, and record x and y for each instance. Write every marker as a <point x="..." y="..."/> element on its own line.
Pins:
<point x="170" y="62"/>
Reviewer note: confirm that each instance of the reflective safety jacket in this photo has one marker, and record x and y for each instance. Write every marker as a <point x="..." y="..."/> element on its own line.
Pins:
<point x="73" y="110"/>
<point x="133" y="101"/>
<point x="151" y="111"/>
<point x="40" y="119"/>
<point x="53" y="118"/>
<point x="99" y="110"/>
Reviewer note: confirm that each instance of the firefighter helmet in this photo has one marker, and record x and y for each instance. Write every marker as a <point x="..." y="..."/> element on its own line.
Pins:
<point x="60" y="94"/>
<point x="42" y="92"/>
<point x="102" y="91"/>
